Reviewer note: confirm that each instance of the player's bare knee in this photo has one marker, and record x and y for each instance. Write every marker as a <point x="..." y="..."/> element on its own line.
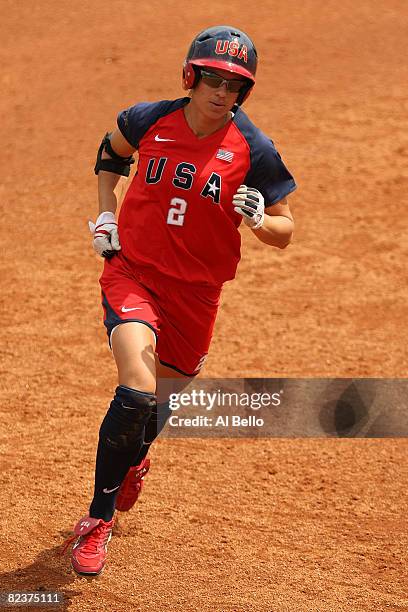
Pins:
<point x="144" y="381"/>
<point x="124" y="423"/>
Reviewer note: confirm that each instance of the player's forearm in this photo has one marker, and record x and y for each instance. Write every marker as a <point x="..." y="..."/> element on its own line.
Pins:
<point x="107" y="182"/>
<point x="276" y="231"/>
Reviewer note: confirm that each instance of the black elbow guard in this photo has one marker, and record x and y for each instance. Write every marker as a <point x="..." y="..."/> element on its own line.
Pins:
<point x="117" y="164"/>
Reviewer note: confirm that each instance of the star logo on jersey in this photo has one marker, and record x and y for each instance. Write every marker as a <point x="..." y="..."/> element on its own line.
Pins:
<point x="213" y="188"/>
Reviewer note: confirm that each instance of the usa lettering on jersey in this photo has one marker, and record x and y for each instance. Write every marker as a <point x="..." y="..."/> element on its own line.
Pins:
<point x="184" y="177"/>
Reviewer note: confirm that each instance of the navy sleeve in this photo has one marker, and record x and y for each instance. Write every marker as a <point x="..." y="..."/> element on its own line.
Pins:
<point x="135" y="121"/>
<point x="268" y="173"/>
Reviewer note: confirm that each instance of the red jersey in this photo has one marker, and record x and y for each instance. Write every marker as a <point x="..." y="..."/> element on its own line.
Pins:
<point x="177" y="216"/>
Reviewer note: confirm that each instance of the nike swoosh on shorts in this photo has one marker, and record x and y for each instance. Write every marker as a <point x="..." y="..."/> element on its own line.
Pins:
<point x="123" y="309"/>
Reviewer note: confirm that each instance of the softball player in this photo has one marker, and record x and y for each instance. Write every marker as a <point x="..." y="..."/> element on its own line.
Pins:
<point x="203" y="167"/>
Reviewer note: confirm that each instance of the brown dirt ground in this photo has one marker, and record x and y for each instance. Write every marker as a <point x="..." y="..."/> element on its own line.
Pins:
<point x="223" y="525"/>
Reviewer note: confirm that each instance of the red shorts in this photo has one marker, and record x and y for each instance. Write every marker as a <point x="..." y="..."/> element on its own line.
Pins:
<point x="182" y="316"/>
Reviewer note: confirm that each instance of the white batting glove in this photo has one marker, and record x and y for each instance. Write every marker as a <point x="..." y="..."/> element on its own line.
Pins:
<point x="250" y="203"/>
<point x="105" y="235"/>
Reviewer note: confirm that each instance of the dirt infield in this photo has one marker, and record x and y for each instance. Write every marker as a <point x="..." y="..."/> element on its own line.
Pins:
<point x="223" y="525"/>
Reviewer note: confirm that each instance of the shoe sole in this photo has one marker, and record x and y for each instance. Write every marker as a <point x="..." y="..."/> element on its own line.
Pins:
<point x="88" y="574"/>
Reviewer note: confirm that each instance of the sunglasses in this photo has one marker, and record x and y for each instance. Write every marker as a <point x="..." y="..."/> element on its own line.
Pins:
<point x="215" y="81"/>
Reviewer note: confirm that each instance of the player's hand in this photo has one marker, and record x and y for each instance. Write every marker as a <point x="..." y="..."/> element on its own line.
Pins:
<point x="105" y="235"/>
<point x="249" y="203"/>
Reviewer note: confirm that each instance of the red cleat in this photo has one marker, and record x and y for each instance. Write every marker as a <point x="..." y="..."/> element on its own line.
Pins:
<point x="132" y="485"/>
<point x="88" y="555"/>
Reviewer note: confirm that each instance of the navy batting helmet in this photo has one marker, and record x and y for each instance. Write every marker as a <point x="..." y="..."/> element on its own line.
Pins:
<point x="223" y="47"/>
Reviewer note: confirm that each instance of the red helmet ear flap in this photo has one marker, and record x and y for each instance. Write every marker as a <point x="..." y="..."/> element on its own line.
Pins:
<point x="189" y="76"/>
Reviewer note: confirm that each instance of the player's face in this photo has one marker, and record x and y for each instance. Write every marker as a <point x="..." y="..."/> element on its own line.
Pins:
<point x="212" y="100"/>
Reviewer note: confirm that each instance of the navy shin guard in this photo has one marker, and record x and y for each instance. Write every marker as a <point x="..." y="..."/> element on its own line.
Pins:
<point x="154" y="426"/>
<point x="120" y="440"/>
<point x="124" y="423"/>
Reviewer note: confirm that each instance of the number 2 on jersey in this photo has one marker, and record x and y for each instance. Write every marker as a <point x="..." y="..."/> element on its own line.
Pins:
<point x="177" y="211"/>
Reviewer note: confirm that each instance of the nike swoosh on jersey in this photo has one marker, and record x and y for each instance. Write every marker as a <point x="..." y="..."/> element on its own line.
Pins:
<point x="158" y="139"/>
